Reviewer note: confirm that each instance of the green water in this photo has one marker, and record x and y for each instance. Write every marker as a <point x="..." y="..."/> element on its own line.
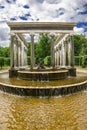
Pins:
<point x="59" y="113"/>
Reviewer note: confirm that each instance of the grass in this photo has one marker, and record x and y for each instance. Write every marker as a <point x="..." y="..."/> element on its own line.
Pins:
<point x="80" y="67"/>
<point x="4" y="67"/>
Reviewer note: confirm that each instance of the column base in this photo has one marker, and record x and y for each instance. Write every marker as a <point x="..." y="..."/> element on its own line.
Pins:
<point x="13" y="73"/>
<point x="72" y="71"/>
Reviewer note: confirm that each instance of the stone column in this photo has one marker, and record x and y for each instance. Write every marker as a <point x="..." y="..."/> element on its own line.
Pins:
<point x="12" y="70"/>
<point x="60" y="53"/>
<point x="72" y="50"/>
<point x="52" y="52"/>
<point x="32" y="51"/>
<point x="16" y="52"/>
<point x="20" y="54"/>
<point x="57" y="56"/>
<point x="63" y="53"/>
<point x="66" y="51"/>
<point x="12" y="51"/>
<point x="25" y="56"/>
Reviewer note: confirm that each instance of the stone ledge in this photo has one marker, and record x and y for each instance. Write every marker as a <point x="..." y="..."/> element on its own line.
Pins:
<point x="43" y="92"/>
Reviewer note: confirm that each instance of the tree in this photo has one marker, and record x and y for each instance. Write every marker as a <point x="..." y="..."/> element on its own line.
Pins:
<point x="43" y="47"/>
<point x="77" y="45"/>
<point x="80" y="45"/>
<point x="4" y="52"/>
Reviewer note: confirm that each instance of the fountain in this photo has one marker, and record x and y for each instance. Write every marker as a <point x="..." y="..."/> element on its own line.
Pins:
<point x="59" y="79"/>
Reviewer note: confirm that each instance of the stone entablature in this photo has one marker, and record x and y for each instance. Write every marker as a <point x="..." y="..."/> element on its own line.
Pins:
<point x="38" y="27"/>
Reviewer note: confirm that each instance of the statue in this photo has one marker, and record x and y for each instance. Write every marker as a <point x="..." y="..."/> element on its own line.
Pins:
<point x="40" y="65"/>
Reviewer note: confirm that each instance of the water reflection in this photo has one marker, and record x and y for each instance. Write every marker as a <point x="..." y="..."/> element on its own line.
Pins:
<point x="61" y="113"/>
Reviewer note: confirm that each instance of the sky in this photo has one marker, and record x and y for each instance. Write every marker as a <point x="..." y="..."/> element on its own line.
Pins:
<point x="42" y="11"/>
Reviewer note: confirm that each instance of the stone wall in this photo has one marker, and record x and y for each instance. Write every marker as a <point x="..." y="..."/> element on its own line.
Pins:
<point x="43" y="92"/>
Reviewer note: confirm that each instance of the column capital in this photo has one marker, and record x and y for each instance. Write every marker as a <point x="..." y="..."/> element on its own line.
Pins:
<point x="32" y="34"/>
<point x="52" y="35"/>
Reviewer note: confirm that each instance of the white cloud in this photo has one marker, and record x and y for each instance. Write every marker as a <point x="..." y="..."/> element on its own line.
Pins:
<point x="49" y="10"/>
<point x="78" y="30"/>
<point x="4" y="34"/>
<point x="44" y="10"/>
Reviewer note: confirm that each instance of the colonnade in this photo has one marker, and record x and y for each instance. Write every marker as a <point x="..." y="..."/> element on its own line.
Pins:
<point x="18" y="52"/>
<point x="62" y="51"/>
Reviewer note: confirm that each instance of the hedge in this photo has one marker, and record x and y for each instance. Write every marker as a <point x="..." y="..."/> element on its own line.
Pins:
<point x="81" y="60"/>
<point x="47" y="60"/>
<point x="4" y="61"/>
<point x="7" y="61"/>
<point x="1" y="62"/>
<point x="29" y="60"/>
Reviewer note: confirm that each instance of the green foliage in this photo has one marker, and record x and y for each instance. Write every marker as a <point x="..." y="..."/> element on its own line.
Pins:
<point x="28" y="59"/>
<point x="4" y="56"/>
<point x="1" y="62"/>
<point x="77" y="44"/>
<point x="7" y="61"/>
<point x="84" y="61"/>
<point x="78" y="60"/>
<point x="47" y="60"/>
<point x="28" y="53"/>
<point x="80" y="45"/>
<point x="43" y="47"/>
<point x="80" y="48"/>
<point x="4" y="52"/>
<point x="81" y="60"/>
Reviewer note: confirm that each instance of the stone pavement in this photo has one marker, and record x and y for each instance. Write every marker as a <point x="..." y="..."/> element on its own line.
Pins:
<point x="3" y="71"/>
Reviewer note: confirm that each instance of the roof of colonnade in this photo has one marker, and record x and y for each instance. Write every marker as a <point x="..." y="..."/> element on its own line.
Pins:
<point x="40" y="27"/>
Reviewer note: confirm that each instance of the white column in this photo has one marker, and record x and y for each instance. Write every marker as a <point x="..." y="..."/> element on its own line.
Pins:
<point x="64" y="53"/>
<point x="57" y="57"/>
<point x="63" y="49"/>
<point x="72" y="50"/>
<point x="52" y="51"/>
<point x="66" y="50"/>
<point x="19" y="54"/>
<point x="32" y="51"/>
<point x="69" y="53"/>
<point x="26" y="56"/>
<point x="12" y="51"/>
<point x="60" y="55"/>
<point x="23" y="54"/>
<point x="16" y="53"/>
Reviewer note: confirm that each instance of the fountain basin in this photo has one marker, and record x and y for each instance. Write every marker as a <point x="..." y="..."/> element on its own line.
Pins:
<point x="43" y="91"/>
<point x="43" y="75"/>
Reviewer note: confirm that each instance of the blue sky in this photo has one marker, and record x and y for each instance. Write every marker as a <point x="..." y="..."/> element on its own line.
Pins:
<point x="42" y="10"/>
